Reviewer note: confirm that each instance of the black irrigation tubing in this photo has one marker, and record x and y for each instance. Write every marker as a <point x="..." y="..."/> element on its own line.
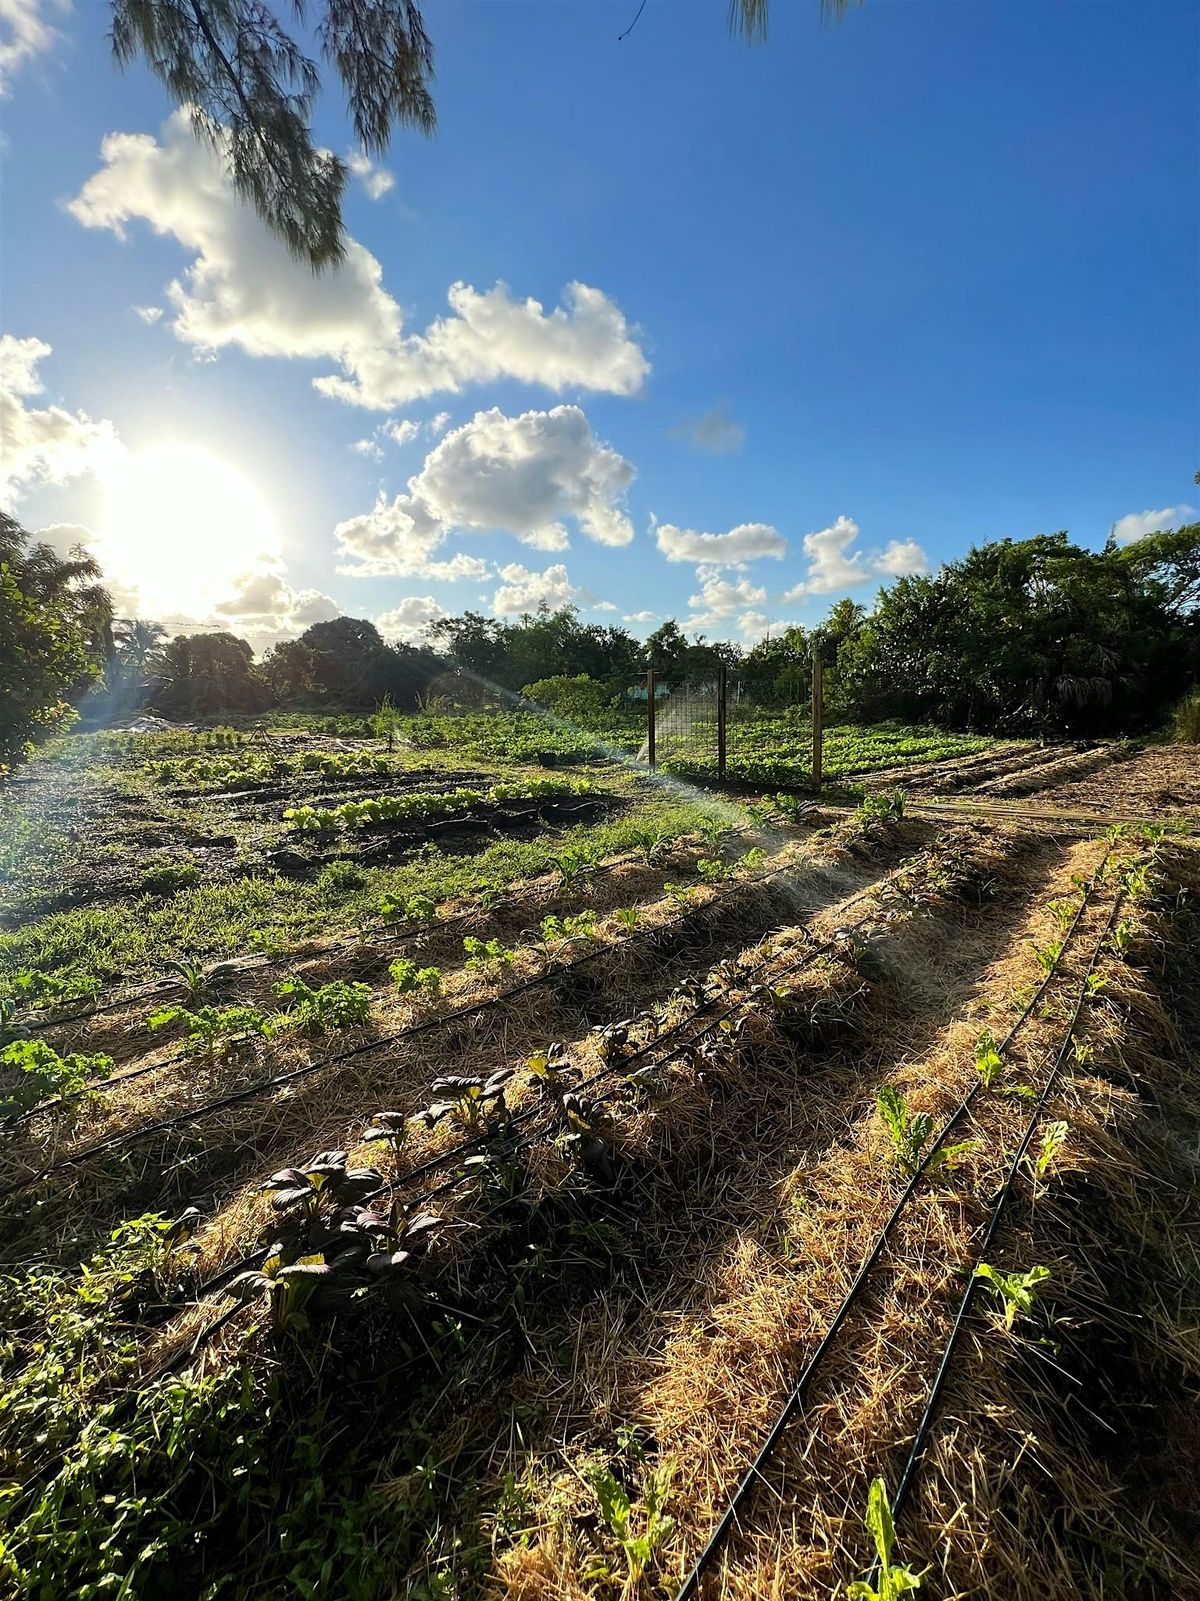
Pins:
<point x="791" y="1406"/>
<point x="917" y="1449"/>
<point x="147" y="991"/>
<point x="447" y="1158"/>
<point x="115" y="1080"/>
<point x="465" y="1147"/>
<point x="116" y="1141"/>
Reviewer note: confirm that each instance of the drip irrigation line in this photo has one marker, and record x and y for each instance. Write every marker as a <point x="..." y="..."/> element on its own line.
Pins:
<point x="924" y="1427"/>
<point x="131" y="996"/>
<point x="472" y="1144"/>
<point x="791" y="1405"/>
<point x="261" y="1086"/>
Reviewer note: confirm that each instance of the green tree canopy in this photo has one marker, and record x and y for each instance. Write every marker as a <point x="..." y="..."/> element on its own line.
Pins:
<point x="55" y="634"/>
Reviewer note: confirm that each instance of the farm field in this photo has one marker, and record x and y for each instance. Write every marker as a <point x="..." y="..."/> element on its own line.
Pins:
<point x="437" y="1172"/>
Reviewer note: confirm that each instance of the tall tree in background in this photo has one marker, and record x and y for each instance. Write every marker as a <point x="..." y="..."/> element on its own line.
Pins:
<point x="249" y="86"/>
<point x="55" y="622"/>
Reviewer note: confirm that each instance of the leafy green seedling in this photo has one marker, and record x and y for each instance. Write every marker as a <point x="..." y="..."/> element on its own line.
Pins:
<point x="40" y="1073"/>
<point x="617" y="1512"/>
<point x="482" y="951"/>
<point x="408" y="977"/>
<point x="1018" y="1291"/>
<point x="895" y="1580"/>
<point x="321" y="1011"/>
<point x="1053" y="1140"/>
<point x="989" y="1064"/>
<point x="215" y="1031"/>
<point x="910" y="1132"/>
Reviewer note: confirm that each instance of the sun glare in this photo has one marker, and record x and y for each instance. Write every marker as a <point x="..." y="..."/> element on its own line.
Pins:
<point x="182" y="524"/>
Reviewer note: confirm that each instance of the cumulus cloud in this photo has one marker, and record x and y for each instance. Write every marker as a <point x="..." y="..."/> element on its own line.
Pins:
<point x="244" y="289"/>
<point x="402" y="430"/>
<point x="834" y="565"/>
<point x="375" y="180"/>
<point x="522" y="590"/>
<point x="148" y="314"/>
<point x="43" y="444"/>
<point x="25" y="31"/>
<point x="409" y="620"/>
<point x="438" y="423"/>
<point x="755" y="625"/>
<point x="712" y="434"/>
<point x="1137" y="524"/>
<point x="520" y="475"/>
<point x="746" y="542"/>
<point x="264" y="601"/>
<point x="641" y="617"/>
<point x="370" y="448"/>
<point x="719" y="598"/>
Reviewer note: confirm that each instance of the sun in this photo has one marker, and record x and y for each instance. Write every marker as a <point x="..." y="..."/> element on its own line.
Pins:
<point x="182" y="523"/>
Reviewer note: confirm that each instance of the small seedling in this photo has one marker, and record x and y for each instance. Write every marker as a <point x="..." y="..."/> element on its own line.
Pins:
<point x="409" y="978"/>
<point x="1053" y="1140"/>
<point x="989" y="1064"/>
<point x="617" y="1512"/>
<point x="910" y="1132"/>
<point x="480" y="952"/>
<point x="390" y="1126"/>
<point x="895" y="1580"/>
<point x="321" y="1011"/>
<point x="1017" y="1290"/>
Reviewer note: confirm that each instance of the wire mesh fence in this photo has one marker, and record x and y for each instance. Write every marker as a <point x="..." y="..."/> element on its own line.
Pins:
<point x="711" y="727"/>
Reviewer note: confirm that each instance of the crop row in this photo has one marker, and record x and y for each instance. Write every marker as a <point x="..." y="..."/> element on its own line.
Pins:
<point x="425" y="805"/>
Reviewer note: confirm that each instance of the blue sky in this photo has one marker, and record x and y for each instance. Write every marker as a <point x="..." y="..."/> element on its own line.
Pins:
<point x="923" y="279"/>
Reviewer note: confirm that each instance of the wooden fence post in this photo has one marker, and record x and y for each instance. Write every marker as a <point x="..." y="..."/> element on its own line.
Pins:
<point x="722" y="683"/>
<point x="651" y="752"/>
<point x="818" y="732"/>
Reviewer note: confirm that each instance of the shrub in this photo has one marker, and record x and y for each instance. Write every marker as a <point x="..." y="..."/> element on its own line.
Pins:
<point x="578" y="698"/>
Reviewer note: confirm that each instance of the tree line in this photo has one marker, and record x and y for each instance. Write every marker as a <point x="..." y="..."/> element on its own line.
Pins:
<point x="1018" y="636"/>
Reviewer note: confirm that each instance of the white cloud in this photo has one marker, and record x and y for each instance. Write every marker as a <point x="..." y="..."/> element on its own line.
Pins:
<point x="25" y="31"/>
<point x="401" y="431"/>
<point x="43" y="444"/>
<point x="713" y="434"/>
<point x="409" y="620"/>
<point x="265" y="602"/>
<point x="746" y="542"/>
<point x="603" y="605"/>
<point x="520" y="475"/>
<point x="1137" y="524"/>
<point x="370" y="448"/>
<point x="244" y="289"/>
<point x="641" y="617"/>
<point x="438" y="423"/>
<point x="148" y="314"/>
<point x="719" y="598"/>
<point x="523" y="591"/>
<point x="833" y="565"/>
<point x="376" y="180"/>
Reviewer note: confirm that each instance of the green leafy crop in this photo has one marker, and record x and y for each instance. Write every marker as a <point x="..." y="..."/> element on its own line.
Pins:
<point x="895" y="1580"/>
<point x="31" y="1071"/>
<point x="325" y="1010"/>
<point x="1018" y="1291"/>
